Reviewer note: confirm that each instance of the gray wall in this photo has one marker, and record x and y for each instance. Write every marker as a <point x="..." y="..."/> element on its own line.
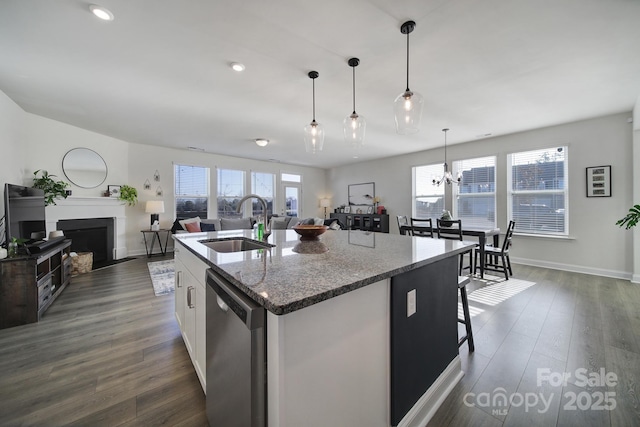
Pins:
<point x="595" y="244"/>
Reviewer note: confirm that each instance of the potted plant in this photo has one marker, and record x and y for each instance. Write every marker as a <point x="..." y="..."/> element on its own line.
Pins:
<point x="52" y="189"/>
<point x="631" y="219"/>
<point x="128" y="194"/>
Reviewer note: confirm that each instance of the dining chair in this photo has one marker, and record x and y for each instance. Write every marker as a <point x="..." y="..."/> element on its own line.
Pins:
<point x="452" y="230"/>
<point x="403" y="222"/>
<point x="463" y="281"/>
<point x="422" y="227"/>
<point x="497" y="258"/>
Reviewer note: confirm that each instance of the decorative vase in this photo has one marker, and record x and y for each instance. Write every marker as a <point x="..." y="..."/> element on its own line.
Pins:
<point x="12" y="249"/>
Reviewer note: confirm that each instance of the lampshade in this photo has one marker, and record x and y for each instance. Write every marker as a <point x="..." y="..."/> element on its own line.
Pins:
<point x="325" y="203"/>
<point x="154" y="207"/>
<point x="408" y="105"/>
<point x="314" y="131"/>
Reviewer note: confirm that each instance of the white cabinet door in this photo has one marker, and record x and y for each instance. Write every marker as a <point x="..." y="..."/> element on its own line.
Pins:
<point x="179" y="293"/>
<point x="189" y="330"/>
<point x="201" y="335"/>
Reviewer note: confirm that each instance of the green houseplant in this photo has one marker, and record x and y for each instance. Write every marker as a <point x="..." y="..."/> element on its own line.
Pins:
<point x="631" y="219"/>
<point x="128" y="194"/>
<point x="52" y="189"/>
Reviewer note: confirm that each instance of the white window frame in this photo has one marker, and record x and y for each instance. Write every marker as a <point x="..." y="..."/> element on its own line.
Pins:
<point x="565" y="192"/>
<point x="458" y="168"/>
<point x="438" y="191"/>
<point x="244" y="187"/>
<point x="183" y="196"/>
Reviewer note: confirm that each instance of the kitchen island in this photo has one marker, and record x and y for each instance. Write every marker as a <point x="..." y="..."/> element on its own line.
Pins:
<point x="361" y="327"/>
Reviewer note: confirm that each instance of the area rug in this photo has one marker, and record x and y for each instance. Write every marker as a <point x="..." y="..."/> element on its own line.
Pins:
<point x="162" y="276"/>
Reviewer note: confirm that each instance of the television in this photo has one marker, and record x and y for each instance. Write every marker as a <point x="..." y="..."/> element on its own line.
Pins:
<point x="24" y="213"/>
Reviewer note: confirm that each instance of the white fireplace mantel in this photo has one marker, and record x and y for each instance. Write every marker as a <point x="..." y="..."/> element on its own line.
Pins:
<point x="92" y="207"/>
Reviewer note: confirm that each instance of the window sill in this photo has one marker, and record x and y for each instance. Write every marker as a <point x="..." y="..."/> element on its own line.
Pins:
<point x="544" y="236"/>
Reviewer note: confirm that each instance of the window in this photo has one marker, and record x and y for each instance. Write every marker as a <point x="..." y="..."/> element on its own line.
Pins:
<point x="263" y="185"/>
<point x="230" y="191"/>
<point x="428" y="199"/>
<point x="475" y="197"/>
<point x="290" y="177"/>
<point x="538" y="191"/>
<point x="191" y="191"/>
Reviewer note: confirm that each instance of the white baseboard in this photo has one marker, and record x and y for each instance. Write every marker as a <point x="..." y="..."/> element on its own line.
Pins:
<point x="426" y="407"/>
<point x="578" y="269"/>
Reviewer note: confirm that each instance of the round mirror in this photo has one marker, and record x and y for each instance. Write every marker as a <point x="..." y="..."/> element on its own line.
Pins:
<point x="84" y="168"/>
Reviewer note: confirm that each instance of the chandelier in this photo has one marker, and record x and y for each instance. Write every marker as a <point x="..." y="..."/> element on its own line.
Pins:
<point x="447" y="177"/>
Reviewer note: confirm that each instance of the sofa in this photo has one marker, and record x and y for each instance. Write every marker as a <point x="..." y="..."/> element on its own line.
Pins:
<point x="194" y="225"/>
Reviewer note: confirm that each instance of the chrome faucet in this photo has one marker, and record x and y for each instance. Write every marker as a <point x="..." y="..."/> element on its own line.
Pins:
<point x="267" y="230"/>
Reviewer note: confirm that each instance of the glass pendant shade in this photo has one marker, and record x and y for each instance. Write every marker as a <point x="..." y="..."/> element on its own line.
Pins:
<point x="313" y="137"/>
<point x="408" y="105"/>
<point x="314" y="131"/>
<point x="354" y="125"/>
<point x="408" y="112"/>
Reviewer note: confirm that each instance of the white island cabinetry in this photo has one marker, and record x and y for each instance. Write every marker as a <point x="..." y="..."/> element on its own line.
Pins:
<point x="190" y="301"/>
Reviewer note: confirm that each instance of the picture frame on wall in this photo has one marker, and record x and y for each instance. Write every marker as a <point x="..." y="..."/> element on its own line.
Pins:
<point x="114" y="191"/>
<point x="599" y="181"/>
<point x="362" y="194"/>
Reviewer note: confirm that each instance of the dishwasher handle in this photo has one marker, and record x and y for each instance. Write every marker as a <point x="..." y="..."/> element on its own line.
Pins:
<point x="250" y="312"/>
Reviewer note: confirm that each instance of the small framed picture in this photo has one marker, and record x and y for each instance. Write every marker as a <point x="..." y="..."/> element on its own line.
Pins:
<point x="370" y="210"/>
<point x="599" y="181"/>
<point x="347" y="209"/>
<point x="114" y="191"/>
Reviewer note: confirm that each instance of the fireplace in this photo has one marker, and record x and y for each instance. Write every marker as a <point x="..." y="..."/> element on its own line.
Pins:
<point x="91" y="235"/>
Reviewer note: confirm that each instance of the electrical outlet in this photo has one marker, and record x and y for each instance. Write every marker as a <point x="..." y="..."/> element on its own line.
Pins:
<point x="411" y="303"/>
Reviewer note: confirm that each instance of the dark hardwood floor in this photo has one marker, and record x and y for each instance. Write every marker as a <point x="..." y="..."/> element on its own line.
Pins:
<point x="109" y="353"/>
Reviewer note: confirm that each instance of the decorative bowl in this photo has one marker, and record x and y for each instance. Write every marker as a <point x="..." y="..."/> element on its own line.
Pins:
<point x="310" y="232"/>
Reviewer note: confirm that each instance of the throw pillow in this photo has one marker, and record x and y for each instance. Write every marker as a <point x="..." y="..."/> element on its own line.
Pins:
<point x="184" y="222"/>
<point x="176" y="227"/>
<point x="207" y="227"/>
<point x="193" y="227"/>
<point x="318" y="221"/>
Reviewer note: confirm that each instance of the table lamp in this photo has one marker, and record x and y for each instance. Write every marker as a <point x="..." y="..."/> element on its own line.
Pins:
<point x="154" y="207"/>
<point x="325" y="203"/>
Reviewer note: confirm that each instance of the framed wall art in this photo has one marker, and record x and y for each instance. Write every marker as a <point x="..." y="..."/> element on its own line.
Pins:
<point x="362" y="194"/>
<point x="599" y="181"/>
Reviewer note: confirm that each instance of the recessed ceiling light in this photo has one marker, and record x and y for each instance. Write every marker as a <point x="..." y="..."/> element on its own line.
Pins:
<point x="237" y="66"/>
<point x="192" y="148"/>
<point x="262" y="142"/>
<point x="101" y="12"/>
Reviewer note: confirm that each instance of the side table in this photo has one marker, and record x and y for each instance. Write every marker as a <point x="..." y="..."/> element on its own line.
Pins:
<point x="155" y="235"/>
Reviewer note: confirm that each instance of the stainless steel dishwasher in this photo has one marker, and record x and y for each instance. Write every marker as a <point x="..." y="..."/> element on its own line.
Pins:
<point x="236" y="359"/>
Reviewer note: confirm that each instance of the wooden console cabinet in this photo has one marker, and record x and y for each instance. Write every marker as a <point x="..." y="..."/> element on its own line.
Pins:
<point x="30" y="283"/>
<point x="366" y="222"/>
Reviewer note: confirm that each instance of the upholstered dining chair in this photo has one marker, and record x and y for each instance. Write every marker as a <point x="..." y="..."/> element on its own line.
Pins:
<point x="422" y="227"/>
<point x="497" y="258"/>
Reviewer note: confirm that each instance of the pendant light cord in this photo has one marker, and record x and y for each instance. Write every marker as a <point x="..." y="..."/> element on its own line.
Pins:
<point x="407" y="62"/>
<point x="314" y="98"/>
<point x="354" y="89"/>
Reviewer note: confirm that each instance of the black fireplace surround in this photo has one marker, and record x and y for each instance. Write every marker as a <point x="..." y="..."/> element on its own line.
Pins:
<point x="91" y="235"/>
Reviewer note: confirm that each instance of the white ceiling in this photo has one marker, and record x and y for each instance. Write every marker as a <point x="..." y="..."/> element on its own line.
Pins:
<point x="159" y="73"/>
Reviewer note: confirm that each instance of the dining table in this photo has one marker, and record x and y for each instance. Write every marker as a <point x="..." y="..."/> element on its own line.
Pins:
<point x="482" y="233"/>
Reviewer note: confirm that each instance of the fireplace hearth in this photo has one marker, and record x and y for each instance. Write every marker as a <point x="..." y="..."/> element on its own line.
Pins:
<point x="91" y="235"/>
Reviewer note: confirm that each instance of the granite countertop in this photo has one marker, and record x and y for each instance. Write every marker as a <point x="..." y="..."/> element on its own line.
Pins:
<point x="294" y="274"/>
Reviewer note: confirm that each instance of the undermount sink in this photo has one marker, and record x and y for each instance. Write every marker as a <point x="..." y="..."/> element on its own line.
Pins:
<point x="235" y="244"/>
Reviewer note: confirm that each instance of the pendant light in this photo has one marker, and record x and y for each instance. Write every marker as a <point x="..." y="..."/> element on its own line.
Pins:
<point x="408" y="105"/>
<point x="447" y="177"/>
<point x="314" y="131"/>
<point x="354" y="125"/>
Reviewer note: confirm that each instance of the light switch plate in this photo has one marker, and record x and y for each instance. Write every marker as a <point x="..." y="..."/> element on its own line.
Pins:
<point x="411" y="303"/>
